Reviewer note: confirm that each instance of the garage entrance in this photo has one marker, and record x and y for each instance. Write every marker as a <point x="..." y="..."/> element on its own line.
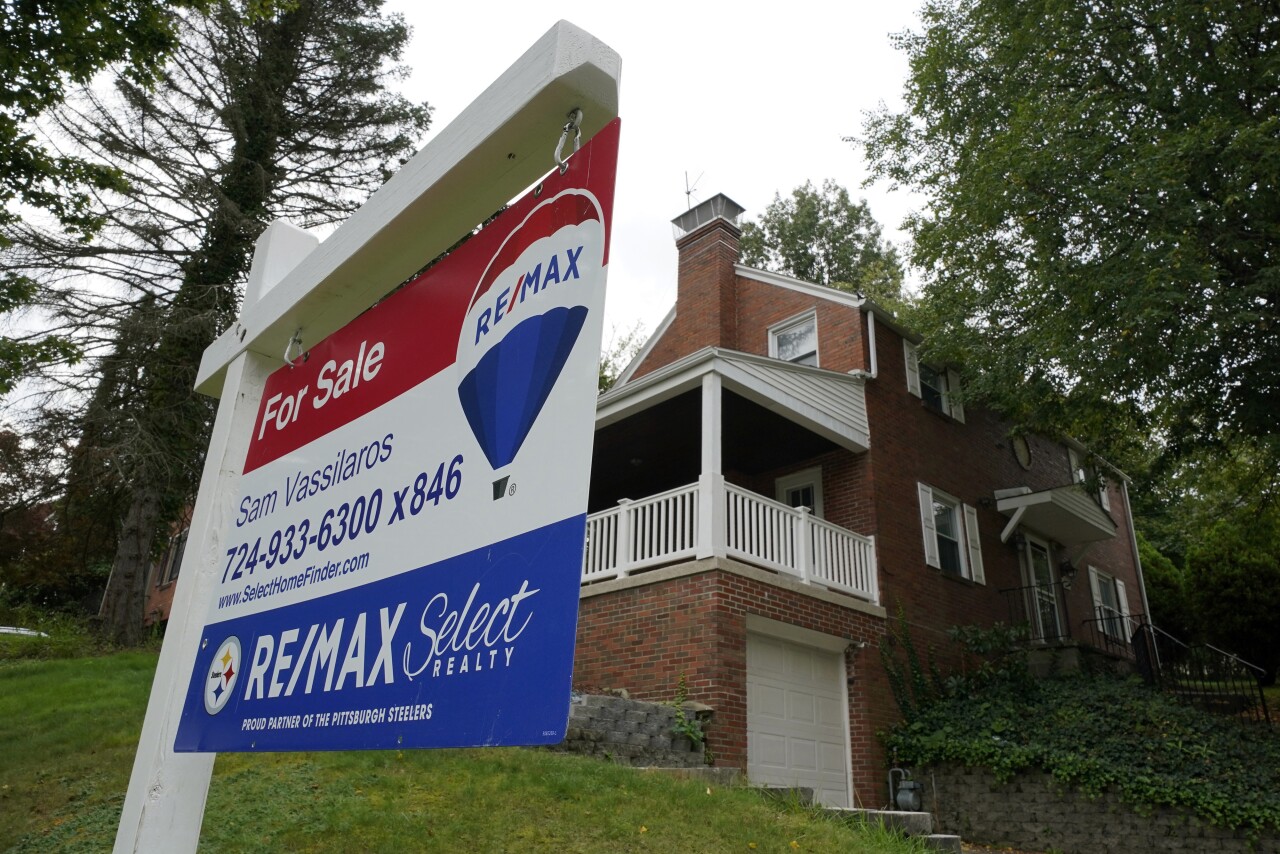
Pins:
<point x="797" y="718"/>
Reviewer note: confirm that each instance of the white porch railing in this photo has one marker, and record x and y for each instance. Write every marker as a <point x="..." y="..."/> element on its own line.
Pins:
<point x="664" y="529"/>
<point x="638" y="534"/>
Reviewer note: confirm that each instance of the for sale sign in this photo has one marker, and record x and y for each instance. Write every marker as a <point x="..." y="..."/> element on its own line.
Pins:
<point x="401" y="568"/>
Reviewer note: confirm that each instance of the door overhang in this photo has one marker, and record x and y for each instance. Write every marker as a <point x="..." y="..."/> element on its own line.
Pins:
<point x="1066" y="514"/>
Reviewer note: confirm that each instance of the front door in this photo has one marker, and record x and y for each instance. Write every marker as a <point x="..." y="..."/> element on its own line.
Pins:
<point x="1045" y="622"/>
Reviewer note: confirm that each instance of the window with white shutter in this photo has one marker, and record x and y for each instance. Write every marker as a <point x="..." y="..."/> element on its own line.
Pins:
<point x="976" y="571"/>
<point x="1110" y="604"/>
<point x="913" y="367"/>
<point x="938" y="388"/>
<point x="950" y="531"/>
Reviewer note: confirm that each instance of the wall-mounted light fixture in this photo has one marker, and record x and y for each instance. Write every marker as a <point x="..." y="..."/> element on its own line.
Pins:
<point x="1067" y="573"/>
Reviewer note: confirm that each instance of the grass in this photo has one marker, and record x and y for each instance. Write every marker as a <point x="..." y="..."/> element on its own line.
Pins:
<point x="70" y="728"/>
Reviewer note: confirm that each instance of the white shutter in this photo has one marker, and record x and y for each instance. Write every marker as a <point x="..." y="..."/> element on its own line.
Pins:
<point x="953" y="396"/>
<point x="1104" y="498"/>
<point x="1123" y="600"/>
<point x="930" y="530"/>
<point x="913" y="367"/>
<point x="1073" y="460"/>
<point x="976" y="571"/>
<point x="1095" y="589"/>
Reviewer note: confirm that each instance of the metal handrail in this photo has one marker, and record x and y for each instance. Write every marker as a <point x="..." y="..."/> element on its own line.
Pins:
<point x="1201" y="674"/>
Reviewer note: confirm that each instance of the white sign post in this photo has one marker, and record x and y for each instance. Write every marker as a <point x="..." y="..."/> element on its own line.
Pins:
<point x="499" y="145"/>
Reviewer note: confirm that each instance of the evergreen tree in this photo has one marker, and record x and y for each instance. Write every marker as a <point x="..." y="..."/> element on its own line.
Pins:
<point x="280" y="114"/>
<point x="47" y="47"/>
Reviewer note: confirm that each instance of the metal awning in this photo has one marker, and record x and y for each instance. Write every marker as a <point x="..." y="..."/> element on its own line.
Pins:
<point x="1066" y="514"/>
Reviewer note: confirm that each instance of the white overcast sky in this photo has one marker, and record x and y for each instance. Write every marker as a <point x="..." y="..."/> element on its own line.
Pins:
<point x="748" y="99"/>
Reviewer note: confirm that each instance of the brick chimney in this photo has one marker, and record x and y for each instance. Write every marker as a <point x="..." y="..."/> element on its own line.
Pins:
<point x="707" y="240"/>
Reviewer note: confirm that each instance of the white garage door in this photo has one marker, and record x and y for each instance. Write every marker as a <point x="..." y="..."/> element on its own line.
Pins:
<point x="797" y="730"/>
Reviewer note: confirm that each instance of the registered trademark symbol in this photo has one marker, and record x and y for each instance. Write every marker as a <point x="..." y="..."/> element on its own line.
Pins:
<point x="512" y="490"/>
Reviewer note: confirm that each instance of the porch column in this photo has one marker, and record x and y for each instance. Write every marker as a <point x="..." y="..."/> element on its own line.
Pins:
<point x="711" y="494"/>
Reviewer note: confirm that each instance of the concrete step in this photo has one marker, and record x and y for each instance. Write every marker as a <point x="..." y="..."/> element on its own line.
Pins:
<point x="910" y="823"/>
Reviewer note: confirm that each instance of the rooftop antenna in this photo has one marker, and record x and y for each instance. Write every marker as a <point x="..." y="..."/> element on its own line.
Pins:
<point x="690" y="188"/>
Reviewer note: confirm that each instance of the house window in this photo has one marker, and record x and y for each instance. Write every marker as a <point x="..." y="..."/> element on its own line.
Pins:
<point x="946" y="524"/>
<point x="1110" y="604"/>
<point x="933" y="388"/>
<point x="802" y="489"/>
<point x="796" y="340"/>
<point x="939" y="388"/>
<point x="1084" y="474"/>
<point x="951" y="538"/>
<point x="171" y="560"/>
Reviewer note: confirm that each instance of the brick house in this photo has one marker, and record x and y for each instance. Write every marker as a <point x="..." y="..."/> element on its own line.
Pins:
<point x="163" y="580"/>
<point x="776" y="477"/>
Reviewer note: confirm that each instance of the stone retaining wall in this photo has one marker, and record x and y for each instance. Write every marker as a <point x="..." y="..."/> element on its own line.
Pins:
<point x="1032" y="811"/>
<point x="629" y="732"/>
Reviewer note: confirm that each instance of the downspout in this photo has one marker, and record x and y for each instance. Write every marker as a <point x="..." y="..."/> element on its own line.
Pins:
<point x="871" y="344"/>
<point x="1133" y="544"/>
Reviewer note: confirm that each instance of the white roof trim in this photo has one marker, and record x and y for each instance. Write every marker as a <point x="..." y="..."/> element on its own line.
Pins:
<point x="799" y="285"/>
<point x="757" y="378"/>
<point x="649" y="343"/>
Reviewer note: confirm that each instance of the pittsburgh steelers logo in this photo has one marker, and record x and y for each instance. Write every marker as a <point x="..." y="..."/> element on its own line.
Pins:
<point x="223" y="672"/>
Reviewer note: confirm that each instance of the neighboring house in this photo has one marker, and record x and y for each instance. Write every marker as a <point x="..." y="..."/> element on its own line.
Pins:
<point x="776" y="477"/>
<point x="164" y="577"/>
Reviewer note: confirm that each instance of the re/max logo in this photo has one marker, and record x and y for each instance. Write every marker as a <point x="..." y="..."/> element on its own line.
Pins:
<point x="531" y="282"/>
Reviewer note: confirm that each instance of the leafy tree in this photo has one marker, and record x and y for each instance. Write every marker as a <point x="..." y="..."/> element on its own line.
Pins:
<point x="47" y="47"/>
<point x="618" y="353"/>
<point x="1215" y="577"/>
<point x="1102" y="229"/>
<point x="1234" y="570"/>
<point x="254" y="117"/>
<point x="1168" y="593"/>
<point x="823" y="236"/>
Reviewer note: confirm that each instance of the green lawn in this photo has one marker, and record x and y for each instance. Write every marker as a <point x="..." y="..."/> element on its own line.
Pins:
<point x="69" y="728"/>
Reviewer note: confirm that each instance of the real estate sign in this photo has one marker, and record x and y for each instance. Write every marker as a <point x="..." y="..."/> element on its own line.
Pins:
<point x="401" y="567"/>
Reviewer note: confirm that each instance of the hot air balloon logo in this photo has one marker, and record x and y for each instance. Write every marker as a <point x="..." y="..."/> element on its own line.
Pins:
<point x="526" y="315"/>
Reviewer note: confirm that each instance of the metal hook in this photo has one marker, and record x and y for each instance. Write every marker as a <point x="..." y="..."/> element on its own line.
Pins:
<point x="574" y="124"/>
<point x="295" y="341"/>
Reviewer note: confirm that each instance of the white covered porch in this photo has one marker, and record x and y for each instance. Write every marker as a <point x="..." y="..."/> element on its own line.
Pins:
<point x="658" y="433"/>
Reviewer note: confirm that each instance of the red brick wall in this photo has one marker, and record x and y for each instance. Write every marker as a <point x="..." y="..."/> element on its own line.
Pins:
<point x="644" y="638"/>
<point x="910" y="444"/>
<point x="705" y="312"/>
<point x="717" y="307"/>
